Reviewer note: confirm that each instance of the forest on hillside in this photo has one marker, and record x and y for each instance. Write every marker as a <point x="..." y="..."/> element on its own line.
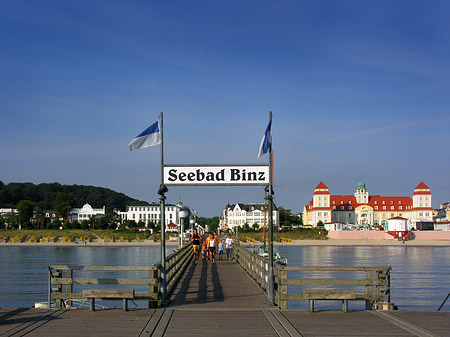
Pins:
<point x="45" y="195"/>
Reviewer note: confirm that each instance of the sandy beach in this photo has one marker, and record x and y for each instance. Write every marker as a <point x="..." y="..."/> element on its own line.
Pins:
<point x="329" y="242"/>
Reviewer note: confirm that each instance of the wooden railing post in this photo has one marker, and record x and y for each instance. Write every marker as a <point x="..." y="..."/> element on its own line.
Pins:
<point x="369" y="290"/>
<point x="69" y="287"/>
<point x="58" y="289"/>
<point x="282" y="288"/>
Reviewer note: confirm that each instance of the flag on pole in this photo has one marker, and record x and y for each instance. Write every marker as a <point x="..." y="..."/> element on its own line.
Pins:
<point x="266" y="141"/>
<point x="149" y="137"/>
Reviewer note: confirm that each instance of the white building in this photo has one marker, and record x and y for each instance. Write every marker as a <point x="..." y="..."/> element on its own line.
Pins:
<point x="85" y="213"/>
<point x="241" y="214"/>
<point x="148" y="214"/>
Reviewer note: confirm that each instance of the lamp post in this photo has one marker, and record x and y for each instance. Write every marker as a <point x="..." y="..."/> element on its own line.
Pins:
<point x="182" y="215"/>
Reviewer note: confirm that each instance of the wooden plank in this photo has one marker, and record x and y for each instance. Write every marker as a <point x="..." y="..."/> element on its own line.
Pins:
<point x="275" y="324"/>
<point x="106" y="268"/>
<point x="328" y="295"/>
<point x="408" y="326"/>
<point x="332" y="268"/>
<point x="108" y="293"/>
<point x="152" y="323"/>
<point x="333" y="282"/>
<point x="293" y="332"/>
<point x="120" y="281"/>
<point x="163" y="323"/>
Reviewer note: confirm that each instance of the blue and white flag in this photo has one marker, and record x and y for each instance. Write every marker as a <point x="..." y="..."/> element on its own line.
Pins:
<point x="149" y="137"/>
<point x="266" y="141"/>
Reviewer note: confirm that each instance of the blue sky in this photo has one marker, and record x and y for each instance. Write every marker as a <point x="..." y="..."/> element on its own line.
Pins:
<point x="360" y="90"/>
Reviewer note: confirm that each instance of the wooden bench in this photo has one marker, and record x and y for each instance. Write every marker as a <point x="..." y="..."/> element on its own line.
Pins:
<point x="344" y="295"/>
<point x="124" y="294"/>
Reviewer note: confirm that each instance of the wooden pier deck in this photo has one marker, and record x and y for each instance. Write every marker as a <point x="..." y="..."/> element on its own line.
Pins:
<point x="220" y="300"/>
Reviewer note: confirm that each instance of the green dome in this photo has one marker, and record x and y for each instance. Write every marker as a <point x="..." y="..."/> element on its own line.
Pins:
<point x="361" y="186"/>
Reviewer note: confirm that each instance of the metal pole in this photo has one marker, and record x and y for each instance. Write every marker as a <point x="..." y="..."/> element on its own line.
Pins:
<point x="163" y="249"/>
<point x="161" y="192"/>
<point x="182" y="232"/>
<point x="270" y="287"/>
<point x="49" y="297"/>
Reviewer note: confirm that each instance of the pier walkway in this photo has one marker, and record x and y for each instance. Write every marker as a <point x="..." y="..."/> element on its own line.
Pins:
<point x="220" y="300"/>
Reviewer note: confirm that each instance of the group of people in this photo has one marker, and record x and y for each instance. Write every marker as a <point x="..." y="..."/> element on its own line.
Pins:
<point x="209" y="246"/>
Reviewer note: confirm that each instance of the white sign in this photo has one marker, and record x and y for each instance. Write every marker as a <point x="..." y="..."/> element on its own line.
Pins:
<point x="216" y="175"/>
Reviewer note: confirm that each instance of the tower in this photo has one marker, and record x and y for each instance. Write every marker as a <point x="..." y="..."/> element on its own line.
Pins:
<point x="361" y="195"/>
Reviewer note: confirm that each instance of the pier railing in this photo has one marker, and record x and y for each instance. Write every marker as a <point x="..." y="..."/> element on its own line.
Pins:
<point x="64" y="286"/>
<point x="371" y="284"/>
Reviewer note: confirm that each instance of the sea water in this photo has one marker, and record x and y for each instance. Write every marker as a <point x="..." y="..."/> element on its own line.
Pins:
<point x="420" y="277"/>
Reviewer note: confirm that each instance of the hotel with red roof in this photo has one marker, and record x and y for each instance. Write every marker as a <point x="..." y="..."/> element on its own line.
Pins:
<point x="364" y="210"/>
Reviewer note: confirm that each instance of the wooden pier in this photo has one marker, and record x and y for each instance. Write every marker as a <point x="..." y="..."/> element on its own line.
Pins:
<point x="219" y="300"/>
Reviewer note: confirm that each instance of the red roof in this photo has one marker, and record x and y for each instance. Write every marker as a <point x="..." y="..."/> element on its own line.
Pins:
<point x="422" y="186"/>
<point x="321" y="189"/>
<point x="422" y="189"/>
<point x="172" y="225"/>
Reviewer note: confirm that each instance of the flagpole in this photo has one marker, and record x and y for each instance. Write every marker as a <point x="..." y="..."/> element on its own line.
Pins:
<point x="162" y="190"/>
<point x="270" y="286"/>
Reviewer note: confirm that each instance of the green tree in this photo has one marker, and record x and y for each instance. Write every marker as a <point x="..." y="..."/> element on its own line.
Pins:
<point x="63" y="204"/>
<point x="286" y="217"/>
<point x="25" y="209"/>
<point x="255" y="227"/>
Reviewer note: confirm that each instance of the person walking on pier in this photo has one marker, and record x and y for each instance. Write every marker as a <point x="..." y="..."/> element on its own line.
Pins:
<point x="229" y="246"/>
<point x="204" y="251"/>
<point x="220" y="249"/>
<point x="211" y="242"/>
<point x="196" y="238"/>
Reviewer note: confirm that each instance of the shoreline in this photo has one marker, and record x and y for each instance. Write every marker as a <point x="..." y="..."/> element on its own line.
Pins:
<point x="328" y="242"/>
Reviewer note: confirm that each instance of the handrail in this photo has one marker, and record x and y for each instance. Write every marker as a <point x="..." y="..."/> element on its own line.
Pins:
<point x="175" y="265"/>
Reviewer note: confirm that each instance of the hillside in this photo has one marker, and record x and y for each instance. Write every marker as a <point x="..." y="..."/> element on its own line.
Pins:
<point x="44" y="195"/>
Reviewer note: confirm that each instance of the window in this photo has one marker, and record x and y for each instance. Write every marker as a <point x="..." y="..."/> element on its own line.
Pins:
<point x="342" y="207"/>
<point x="392" y="207"/>
<point x="400" y="207"/>
<point x="376" y="207"/>
<point x="384" y="207"/>
<point x="392" y="215"/>
<point x="392" y="202"/>
<point x="376" y="202"/>
<point x="319" y="213"/>
<point x="334" y="207"/>
<point x="325" y="213"/>
<point x="350" y="215"/>
<point x="399" y="202"/>
<point x="384" y="202"/>
<point x="350" y="202"/>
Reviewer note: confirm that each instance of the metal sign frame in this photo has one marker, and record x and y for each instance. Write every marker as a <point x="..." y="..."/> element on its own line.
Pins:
<point x="216" y="175"/>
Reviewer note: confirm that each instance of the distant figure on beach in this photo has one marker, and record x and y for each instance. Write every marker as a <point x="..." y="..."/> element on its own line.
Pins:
<point x="196" y="238"/>
<point x="220" y="249"/>
<point x="229" y="246"/>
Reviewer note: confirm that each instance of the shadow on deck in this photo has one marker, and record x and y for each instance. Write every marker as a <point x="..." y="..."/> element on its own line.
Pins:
<point x="219" y="285"/>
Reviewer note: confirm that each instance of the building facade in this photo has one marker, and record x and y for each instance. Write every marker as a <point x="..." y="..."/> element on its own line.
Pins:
<point x="237" y="215"/>
<point x="364" y="210"/>
<point x="151" y="214"/>
<point x="85" y="213"/>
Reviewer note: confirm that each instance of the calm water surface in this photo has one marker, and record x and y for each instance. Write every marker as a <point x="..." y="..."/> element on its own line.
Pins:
<point x="420" y="278"/>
